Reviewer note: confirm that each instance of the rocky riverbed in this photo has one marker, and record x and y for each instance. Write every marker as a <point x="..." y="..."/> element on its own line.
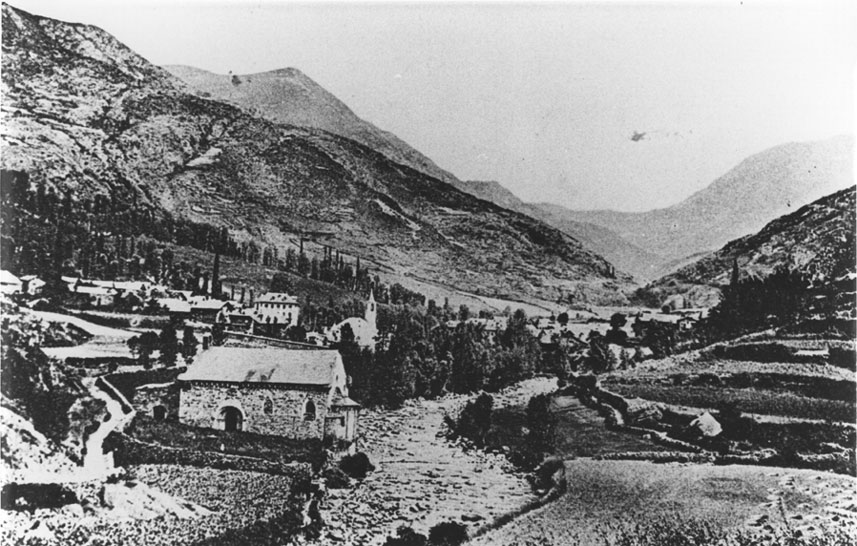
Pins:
<point x="421" y="478"/>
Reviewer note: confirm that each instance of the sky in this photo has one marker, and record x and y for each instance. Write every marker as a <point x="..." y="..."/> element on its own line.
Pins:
<point x="624" y="106"/>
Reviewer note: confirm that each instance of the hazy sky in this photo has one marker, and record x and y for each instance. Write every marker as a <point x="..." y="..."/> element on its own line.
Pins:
<point x="544" y="98"/>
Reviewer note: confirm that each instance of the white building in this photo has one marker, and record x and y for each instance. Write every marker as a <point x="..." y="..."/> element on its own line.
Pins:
<point x="365" y="329"/>
<point x="276" y="308"/>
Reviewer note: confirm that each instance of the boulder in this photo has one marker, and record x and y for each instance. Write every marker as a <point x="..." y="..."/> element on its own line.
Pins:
<point x="704" y="426"/>
<point x="644" y="413"/>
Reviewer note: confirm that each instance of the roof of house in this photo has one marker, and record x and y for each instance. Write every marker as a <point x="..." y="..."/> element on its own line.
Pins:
<point x="206" y="304"/>
<point x="276" y="297"/>
<point x="93" y="290"/>
<point x="272" y="365"/>
<point x="174" y="305"/>
<point x="6" y="277"/>
<point x="343" y="402"/>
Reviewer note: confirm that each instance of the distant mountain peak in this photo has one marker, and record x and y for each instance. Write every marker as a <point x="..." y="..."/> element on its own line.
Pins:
<point x="287" y="95"/>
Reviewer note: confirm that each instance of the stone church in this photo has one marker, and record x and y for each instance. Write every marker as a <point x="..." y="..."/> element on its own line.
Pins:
<point x="270" y="390"/>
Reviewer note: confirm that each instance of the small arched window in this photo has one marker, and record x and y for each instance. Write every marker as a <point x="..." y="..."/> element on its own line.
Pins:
<point x="159" y="413"/>
<point x="309" y="411"/>
<point x="268" y="408"/>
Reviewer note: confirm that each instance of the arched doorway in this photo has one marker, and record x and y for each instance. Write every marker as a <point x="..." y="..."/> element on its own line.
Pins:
<point x="232" y="418"/>
<point x="159" y="413"/>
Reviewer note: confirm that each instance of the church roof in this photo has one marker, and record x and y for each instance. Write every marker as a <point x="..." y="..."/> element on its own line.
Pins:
<point x="273" y="365"/>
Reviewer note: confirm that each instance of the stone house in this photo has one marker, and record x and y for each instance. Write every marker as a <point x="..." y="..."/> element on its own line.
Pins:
<point x="297" y="393"/>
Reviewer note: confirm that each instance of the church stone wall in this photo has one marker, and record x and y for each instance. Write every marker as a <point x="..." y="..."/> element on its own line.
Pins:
<point x="201" y="405"/>
<point x="148" y="397"/>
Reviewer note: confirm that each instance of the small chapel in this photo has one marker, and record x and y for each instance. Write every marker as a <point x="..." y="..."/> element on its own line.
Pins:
<point x="365" y="329"/>
<point x="270" y="390"/>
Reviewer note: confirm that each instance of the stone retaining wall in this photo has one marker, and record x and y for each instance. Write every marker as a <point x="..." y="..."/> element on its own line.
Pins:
<point x="129" y="451"/>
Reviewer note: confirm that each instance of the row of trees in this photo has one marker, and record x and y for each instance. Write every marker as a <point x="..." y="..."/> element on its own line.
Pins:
<point x="101" y="236"/>
<point x="423" y="359"/>
<point x="166" y="343"/>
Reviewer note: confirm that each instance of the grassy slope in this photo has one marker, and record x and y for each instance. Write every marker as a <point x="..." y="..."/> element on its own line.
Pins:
<point x="580" y="431"/>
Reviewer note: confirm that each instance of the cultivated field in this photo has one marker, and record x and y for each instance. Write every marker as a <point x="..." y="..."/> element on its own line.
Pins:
<point x="606" y="497"/>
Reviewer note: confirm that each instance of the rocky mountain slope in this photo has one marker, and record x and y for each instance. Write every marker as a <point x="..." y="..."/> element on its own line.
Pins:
<point x="817" y="239"/>
<point x="759" y="189"/>
<point x="289" y="96"/>
<point x="86" y="116"/>
<point x="624" y="255"/>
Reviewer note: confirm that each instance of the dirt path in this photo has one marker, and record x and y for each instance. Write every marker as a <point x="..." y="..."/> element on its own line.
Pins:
<point x="422" y="479"/>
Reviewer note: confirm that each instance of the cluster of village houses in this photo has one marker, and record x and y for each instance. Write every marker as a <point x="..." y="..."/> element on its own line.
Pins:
<point x="258" y="382"/>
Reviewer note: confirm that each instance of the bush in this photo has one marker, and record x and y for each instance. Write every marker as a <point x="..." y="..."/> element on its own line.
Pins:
<point x="33" y="496"/>
<point x="525" y="457"/>
<point x="474" y="422"/>
<point x="405" y="536"/>
<point x="357" y="465"/>
<point x="844" y="357"/>
<point x="447" y="533"/>
<point x="335" y="478"/>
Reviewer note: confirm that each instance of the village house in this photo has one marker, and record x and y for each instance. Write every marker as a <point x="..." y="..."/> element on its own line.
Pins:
<point x="294" y="393"/>
<point x="176" y="308"/>
<point x="206" y="309"/>
<point x="32" y="285"/>
<point x="96" y="296"/>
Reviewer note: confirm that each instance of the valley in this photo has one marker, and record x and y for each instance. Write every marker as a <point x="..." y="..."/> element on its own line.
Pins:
<point x="234" y="312"/>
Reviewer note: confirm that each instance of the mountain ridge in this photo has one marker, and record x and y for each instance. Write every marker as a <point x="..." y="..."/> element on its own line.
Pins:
<point x="287" y="95"/>
<point x="81" y="120"/>
<point x="817" y="239"/>
<point x="759" y="189"/>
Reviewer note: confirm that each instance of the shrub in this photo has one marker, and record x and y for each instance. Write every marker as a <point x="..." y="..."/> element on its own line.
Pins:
<point x="542" y="423"/>
<point x="405" y="536"/>
<point x="843" y="357"/>
<point x="335" y="478"/>
<point x="357" y="465"/>
<point x="447" y="533"/>
<point x="525" y="457"/>
<point x="33" y="496"/>
<point x="474" y="422"/>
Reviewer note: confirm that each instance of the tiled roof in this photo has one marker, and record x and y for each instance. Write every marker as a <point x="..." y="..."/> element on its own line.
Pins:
<point x="264" y="365"/>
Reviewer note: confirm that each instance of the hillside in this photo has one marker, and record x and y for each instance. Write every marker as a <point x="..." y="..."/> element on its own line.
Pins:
<point x="83" y="116"/>
<point x="289" y="96"/>
<point x="817" y="239"/>
<point x="759" y="189"/>
<point x="601" y="240"/>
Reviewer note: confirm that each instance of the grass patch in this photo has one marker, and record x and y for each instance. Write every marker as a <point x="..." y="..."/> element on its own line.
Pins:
<point x="784" y="404"/>
<point x="580" y="431"/>
<point x="248" y="444"/>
